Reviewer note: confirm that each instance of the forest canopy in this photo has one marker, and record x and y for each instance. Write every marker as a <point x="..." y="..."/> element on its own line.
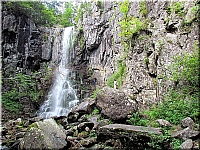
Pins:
<point x="42" y="13"/>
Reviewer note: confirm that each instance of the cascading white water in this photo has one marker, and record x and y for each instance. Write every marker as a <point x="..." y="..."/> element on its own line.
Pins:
<point x="62" y="97"/>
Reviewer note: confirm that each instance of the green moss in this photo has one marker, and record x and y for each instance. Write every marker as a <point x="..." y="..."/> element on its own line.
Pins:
<point x="33" y="125"/>
<point x="143" y="8"/>
<point x="177" y="8"/>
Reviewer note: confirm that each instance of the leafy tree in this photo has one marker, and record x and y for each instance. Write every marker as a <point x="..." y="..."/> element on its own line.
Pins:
<point x="36" y="11"/>
<point x="67" y="16"/>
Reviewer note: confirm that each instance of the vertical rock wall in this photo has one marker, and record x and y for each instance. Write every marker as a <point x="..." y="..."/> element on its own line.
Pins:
<point x="26" y="49"/>
<point x="167" y="35"/>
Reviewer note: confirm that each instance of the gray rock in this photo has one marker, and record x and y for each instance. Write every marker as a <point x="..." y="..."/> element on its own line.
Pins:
<point x="131" y="136"/>
<point x="187" y="145"/>
<point x="187" y="122"/>
<point x="186" y="133"/>
<point x="163" y="123"/>
<point x="114" y="104"/>
<point x="84" y="107"/>
<point x="102" y="123"/>
<point x="44" y="135"/>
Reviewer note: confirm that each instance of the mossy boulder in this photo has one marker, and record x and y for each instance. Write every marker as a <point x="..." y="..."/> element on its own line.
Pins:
<point x="45" y="134"/>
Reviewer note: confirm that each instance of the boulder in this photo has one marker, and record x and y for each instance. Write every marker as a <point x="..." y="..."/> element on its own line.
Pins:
<point x="114" y="104"/>
<point x="187" y="122"/>
<point x="45" y="134"/>
<point x="85" y="107"/>
<point x="163" y="123"/>
<point x="188" y="144"/>
<point x="137" y="137"/>
<point x="186" y="134"/>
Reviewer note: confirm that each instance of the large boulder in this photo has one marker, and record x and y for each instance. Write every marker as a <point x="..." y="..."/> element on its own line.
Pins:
<point x="45" y="134"/>
<point x="114" y="104"/>
<point x="136" y="137"/>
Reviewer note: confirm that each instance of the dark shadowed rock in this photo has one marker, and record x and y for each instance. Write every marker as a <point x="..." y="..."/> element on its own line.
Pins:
<point x="187" y="122"/>
<point x="187" y="145"/>
<point x="45" y="134"/>
<point x="137" y="137"/>
<point x="114" y="104"/>
<point x="72" y="117"/>
<point x="83" y="125"/>
<point x="186" y="134"/>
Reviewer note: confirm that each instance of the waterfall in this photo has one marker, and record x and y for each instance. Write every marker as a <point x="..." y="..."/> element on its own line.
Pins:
<point x="62" y="97"/>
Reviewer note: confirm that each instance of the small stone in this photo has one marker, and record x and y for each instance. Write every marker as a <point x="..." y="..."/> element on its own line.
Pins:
<point x="163" y="123"/>
<point x="187" y="122"/>
<point x="87" y="129"/>
<point x="188" y="144"/>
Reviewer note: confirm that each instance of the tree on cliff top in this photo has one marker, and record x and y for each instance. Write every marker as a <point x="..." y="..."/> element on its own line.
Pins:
<point x="42" y="13"/>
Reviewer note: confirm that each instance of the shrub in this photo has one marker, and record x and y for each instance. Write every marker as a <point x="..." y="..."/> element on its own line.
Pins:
<point x="143" y="8"/>
<point x="119" y="75"/>
<point x="124" y="7"/>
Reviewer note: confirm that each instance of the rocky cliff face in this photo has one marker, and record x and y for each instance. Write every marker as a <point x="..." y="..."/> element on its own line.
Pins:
<point x="27" y="49"/>
<point x="170" y="30"/>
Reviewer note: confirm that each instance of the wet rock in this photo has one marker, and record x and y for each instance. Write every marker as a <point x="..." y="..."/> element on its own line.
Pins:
<point x="186" y="133"/>
<point x="187" y="145"/>
<point x="114" y="104"/>
<point x="44" y="135"/>
<point x="187" y="122"/>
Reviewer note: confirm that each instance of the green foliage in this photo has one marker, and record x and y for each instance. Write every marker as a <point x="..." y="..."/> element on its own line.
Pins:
<point x="175" y="108"/>
<point x="93" y="133"/>
<point x="137" y="120"/>
<point x="119" y="75"/>
<point x="95" y="111"/>
<point x="94" y="95"/>
<point x="176" y="7"/>
<point x="84" y="7"/>
<point x="99" y="3"/>
<point x="176" y="143"/>
<point x="130" y="26"/>
<point x="67" y="16"/>
<point x="21" y="85"/>
<point x="185" y="71"/>
<point x="182" y="100"/>
<point x="143" y="8"/>
<point x="124" y="8"/>
<point x="36" y="11"/>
